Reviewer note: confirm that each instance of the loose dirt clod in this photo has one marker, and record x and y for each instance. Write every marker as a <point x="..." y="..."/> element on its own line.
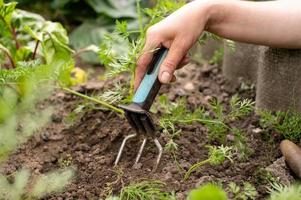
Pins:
<point x="292" y="155"/>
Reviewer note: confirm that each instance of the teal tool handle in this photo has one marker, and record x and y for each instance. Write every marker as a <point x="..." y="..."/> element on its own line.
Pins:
<point x="150" y="84"/>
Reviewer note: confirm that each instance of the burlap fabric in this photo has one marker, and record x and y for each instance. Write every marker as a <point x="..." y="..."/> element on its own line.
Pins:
<point x="279" y="79"/>
<point x="276" y="72"/>
<point x="240" y="63"/>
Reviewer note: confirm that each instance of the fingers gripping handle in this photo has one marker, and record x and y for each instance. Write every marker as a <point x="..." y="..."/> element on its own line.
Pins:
<point x="150" y="84"/>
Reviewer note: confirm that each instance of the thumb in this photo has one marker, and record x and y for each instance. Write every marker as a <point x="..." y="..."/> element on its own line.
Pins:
<point x="174" y="57"/>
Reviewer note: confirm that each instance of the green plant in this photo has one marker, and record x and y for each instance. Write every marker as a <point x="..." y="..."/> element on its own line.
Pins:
<point x="217" y="57"/>
<point x="217" y="155"/>
<point x="286" y="123"/>
<point x="208" y="191"/>
<point x="35" y="57"/>
<point x="146" y="190"/>
<point x="217" y="120"/>
<point x="65" y="161"/>
<point x="122" y="58"/>
<point x="248" y="191"/>
<point x="281" y="192"/>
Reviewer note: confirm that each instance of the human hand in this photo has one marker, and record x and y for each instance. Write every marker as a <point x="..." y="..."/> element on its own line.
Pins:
<point x="178" y="32"/>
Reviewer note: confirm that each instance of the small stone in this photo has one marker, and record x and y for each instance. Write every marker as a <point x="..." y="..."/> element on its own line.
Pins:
<point x="230" y="137"/>
<point x="207" y="92"/>
<point x="207" y="68"/>
<point x="256" y="130"/>
<point x="189" y="87"/>
<point x="45" y="136"/>
<point x="167" y="176"/>
<point x="180" y="92"/>
<point x="60" y="94"/>
<point x="180" y="196"/>
<point x="45" y="148"/>
<point x="137" y="166"/>
<point x="280" y="171"/>
<point x="215" y="71"/>
<point x="56" y="137"/>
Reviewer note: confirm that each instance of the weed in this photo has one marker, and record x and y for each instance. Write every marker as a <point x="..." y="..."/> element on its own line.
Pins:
<point x="287" y="123"/>
<point x="107" y="191"/>
<point x="34" y="57"/>
<point x="66" y="161"/>
<point x="281" y="192"/>
<point x="146" y="190"/>
<point x="217" y="155"/>
<point x="248" y="191"/>
<point x="217" y="123"/>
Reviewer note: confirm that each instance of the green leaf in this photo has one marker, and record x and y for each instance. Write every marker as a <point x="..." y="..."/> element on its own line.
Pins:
<point x="6" y="11"/>
<point x="114" y="8"/>
<point x="90" y="32"/>
<point x="207" y="192"/>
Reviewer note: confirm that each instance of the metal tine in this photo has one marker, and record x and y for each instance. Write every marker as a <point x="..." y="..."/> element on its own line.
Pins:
<point x="136" y="118"/>
<point x="140" y="151"/>
<point x="160" y="153"/>
<point x="122" y="147"/>
<point x="151" y="131"/>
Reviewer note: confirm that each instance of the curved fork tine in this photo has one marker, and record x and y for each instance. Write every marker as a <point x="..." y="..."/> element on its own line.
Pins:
<point x="140" y="151"/>
<point x="160" y="153"/>
<point x="122" y="147"/>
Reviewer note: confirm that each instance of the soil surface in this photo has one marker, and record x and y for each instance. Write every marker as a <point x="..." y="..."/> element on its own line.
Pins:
<point x="91" y="142"/>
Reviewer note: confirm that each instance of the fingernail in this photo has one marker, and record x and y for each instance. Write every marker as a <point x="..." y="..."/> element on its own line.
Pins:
<point x="165" y="77"/>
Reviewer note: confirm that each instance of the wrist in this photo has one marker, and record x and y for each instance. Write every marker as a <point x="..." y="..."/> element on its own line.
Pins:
<point x="215" y="10"/>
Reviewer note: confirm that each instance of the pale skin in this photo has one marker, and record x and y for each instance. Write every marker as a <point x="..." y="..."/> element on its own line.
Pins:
<point x="271" y="23"/>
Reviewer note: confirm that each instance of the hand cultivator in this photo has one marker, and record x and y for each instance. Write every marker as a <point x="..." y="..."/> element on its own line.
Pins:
<point x="137" y="113"/>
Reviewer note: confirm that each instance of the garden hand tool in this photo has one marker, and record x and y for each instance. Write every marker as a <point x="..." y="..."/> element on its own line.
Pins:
<point x="137" y="113"/>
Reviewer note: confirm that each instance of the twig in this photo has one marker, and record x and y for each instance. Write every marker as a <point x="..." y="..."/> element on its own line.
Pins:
<point x="14" y="34"/>
<point x="35" y="49"/>
<point x="10" y="59"/>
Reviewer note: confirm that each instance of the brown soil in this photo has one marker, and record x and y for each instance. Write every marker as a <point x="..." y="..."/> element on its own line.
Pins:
<point x="92" y="142"/>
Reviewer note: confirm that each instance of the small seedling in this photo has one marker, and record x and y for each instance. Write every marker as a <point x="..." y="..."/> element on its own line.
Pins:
<point x="216" y="120"/>
<point x="146" y="190"/>
<point x="66" y="161"/>
<point x="248" y="191"/>
<point x="281" y="192"/>
<point x="217" y="155"/>
<point x="286" y="123"/>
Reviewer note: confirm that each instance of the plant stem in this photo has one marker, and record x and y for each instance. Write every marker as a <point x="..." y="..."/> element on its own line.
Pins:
<point x="139" y="16"/>
<point x="10" y="59"/>
<point x="132" y="81"/>
<point x="14" y="34"/>
<point x="193" y="167"/>
<point x="103" y="103"/>
<point x="35" y="50"/>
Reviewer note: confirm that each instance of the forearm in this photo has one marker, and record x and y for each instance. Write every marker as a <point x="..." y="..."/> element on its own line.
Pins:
<point x="272" y="23"/>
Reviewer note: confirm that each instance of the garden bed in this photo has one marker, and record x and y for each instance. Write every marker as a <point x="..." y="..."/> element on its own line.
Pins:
<point x="91" y="142"/>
